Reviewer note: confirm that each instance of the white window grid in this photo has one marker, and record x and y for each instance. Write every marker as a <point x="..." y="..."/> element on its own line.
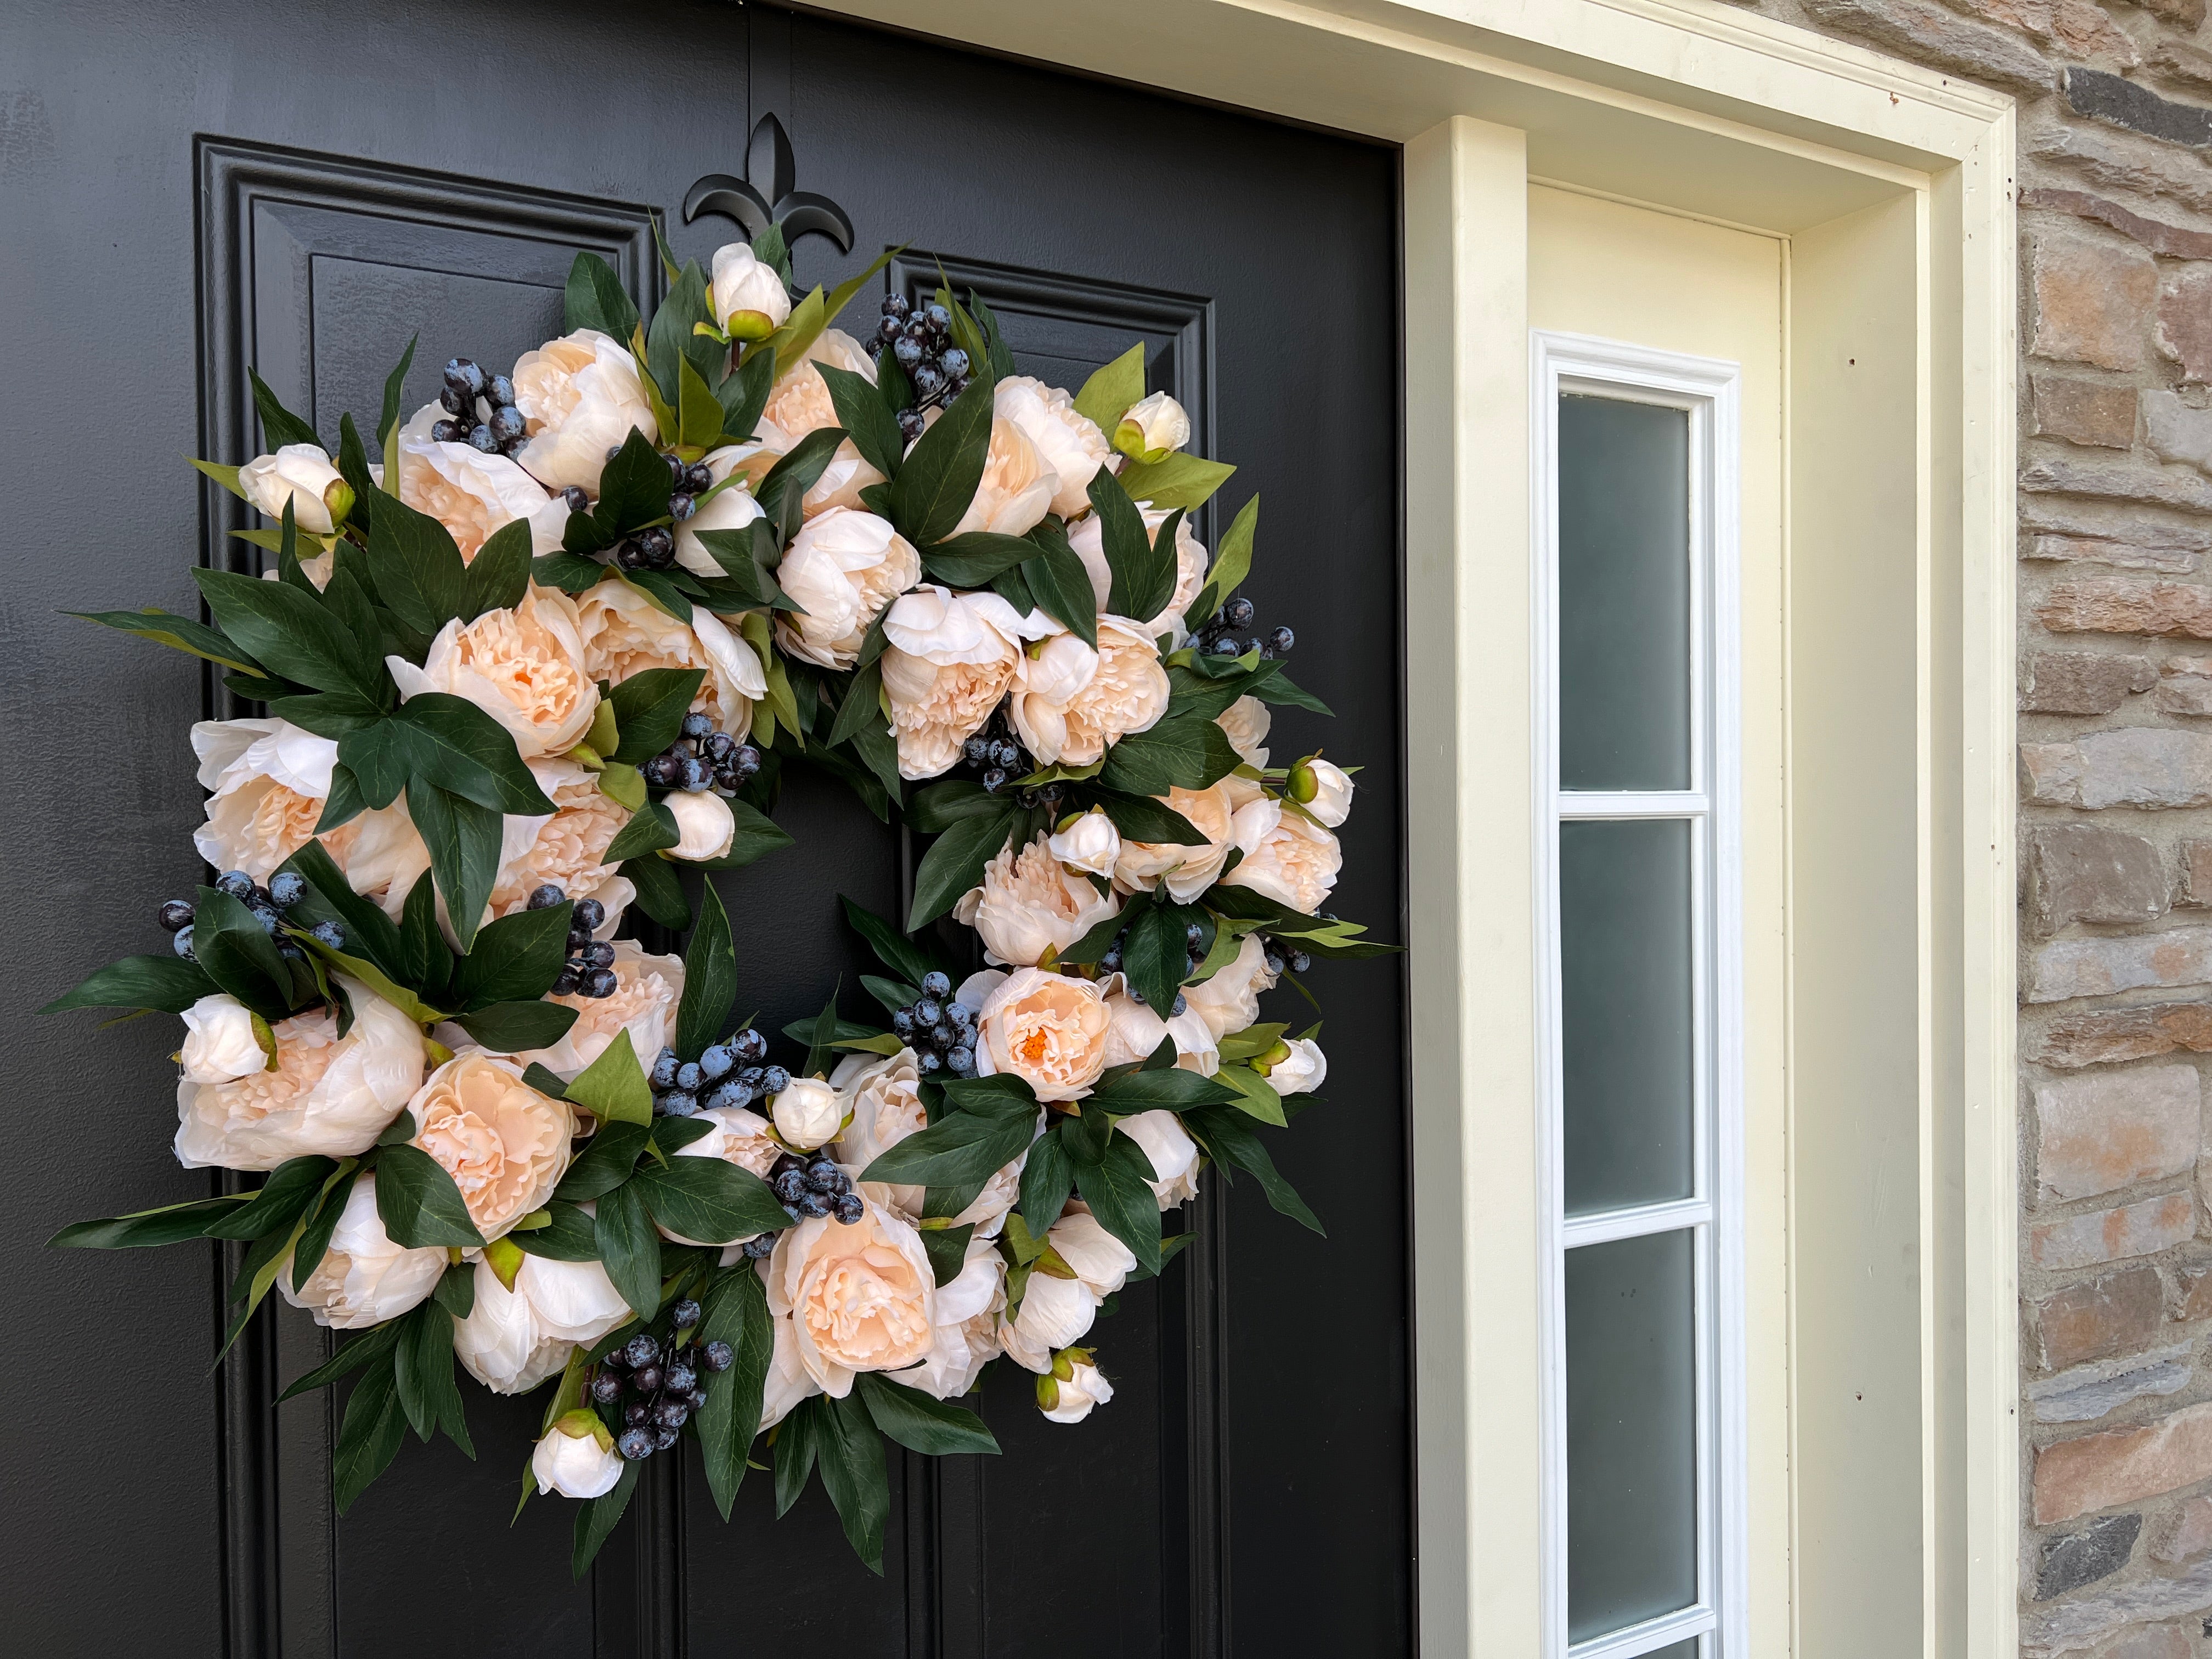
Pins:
<point x="1708" y="392"/>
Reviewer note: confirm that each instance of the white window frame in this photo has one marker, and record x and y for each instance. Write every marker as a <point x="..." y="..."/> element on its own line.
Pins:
<point x="1708" y="392"/>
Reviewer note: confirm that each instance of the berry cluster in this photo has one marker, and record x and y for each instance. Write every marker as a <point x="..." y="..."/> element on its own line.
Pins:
<point x="1219" y="637"/>
<point x="940" y="1031"/>
<point x="995" y="752"/>
<point x="704" y="758"/>
<point x="466" y="387"/>
<point x="811" y="1187"/>
<point x="917" y="337"/>
<point x="590" y="970"/>
<point x="659" y="1388"/>
<point x="1194" y="943"/>
<point x="1280" y="956"/>
<point x="268" y="905"/>
<point x="727" y="1074"/>
<point x="654" y="548"/>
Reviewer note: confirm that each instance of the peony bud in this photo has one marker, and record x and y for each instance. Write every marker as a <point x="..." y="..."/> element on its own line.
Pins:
<point x="338" y="497"/>
<point x="1087" y="842"/>
<point x="1321" y="787"/>
<point x="300" y="474"/>
<point x="1153" y="430"/>
<point x="504" y="1257"/>
<point x="577" y="1457"/>
<point x="705" y="826"/>
<point x="808" y="1113"/>
<point x="1071" y="1387"/>
<point x="1302" y="1069"/>
<point x="749" y="298"/>
<point x="222" y="1043"/>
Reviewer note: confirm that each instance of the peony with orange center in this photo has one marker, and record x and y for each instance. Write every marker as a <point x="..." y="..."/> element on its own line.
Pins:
<point x="1047" y="1029"/>
<point x="860" y="1297"/>
<point x="505" y="1144"/>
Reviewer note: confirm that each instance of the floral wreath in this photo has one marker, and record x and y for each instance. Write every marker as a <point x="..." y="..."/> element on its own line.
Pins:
<point x="560" y="644"/>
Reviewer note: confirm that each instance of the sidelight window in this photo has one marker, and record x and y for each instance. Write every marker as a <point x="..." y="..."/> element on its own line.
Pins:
<point x="1639" y="982"/>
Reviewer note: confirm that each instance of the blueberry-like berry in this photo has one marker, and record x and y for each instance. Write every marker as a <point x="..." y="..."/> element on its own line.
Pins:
<point x="463" y="376"/>
<point x="683" y="1315"/>
<point x="176" y="915"/>
<point x="598" y="954"/>
<point x="751" y="1045"/>
<point x="606" y="1388"/>
<point x="636" y="1411"/>
<point x="329" y="934"/>
<point x="664" y="771"/>
<point x="577" y="500"/>
<point x="907" y="350"/>
<point x="682" y="1379"/>
<point x="697" y="725"/>
<point x="678" y="1103"/>
<point x="664" y="1069"/>
<point x="716" y="1061"/>
<point x="506" y="423"/>
<point x="813" y="1206"/>
<point x="1300" y="962"/>
<point x="287" y="888"/>
<point x="564" y="983"/>
<point x="994" y="780"/>
<point x="481" y="440"/>
<point x="937" y="984"/>
<point x="718" y="1356"/>
<point x="673" y="1413"/>
<point x="776" y="1081"/>
<point x="930" y="1061"/>
<point x="546" y="897"/>
<point x="850" y="1208"/>
<point x="928" y="1011"/>
<point x="961" y="1062"/>
<point x="665" y="1439"/>
<point x="645" y="1380"/>
<point x="824" y="1176"/>
<point x="728" y="1096"/>
<point x="682" y="506"/>
<point x="589" y="914"/>
<point x="236" y="883"/>
<point x="955" y="363"/>
<point x="641" y="1350"/>
<point x="903" y="1022"/>
<point x="910" y="424"/>
<point x="1281" y="641"/>
<point x="698" y="478"/>
<point x="181" y="941"/>
<point x="447" y="432"/>
<point x="898" y="306"/>
<point x="599" y="982"/>
<point x="791" y="1186"/>
<point x="756" y="1249"/>
<point x="635" y="1443"/>
<point x="688" y="1077"/>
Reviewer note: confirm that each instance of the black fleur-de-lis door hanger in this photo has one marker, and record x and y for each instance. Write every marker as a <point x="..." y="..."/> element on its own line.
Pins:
<point x="764" y="197"/>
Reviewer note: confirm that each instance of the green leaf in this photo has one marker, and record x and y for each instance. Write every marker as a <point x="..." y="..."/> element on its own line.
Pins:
<point x="447" y="741"/>
<point x="513" y="1028"/>
<point x="181" y="633"/>
<point x="322" y="1221"/>
<point x="633" y="491"/>
<point x="225" y="476"/>
<point x="613" y="1088"/>
<point x="936" y="1428"/>
<point x="1115" y="1187"/>
<point x="864" y="418"/>
<point x="1232" y="561"/>
<point x="659" y="890"/>
<point x="292" y="1186"/>
<point x="279" y="425"/>
<point x="230" y="945"/>
<point x="350" y="1357"/>
<point x="710" y="978"/>
<point x="698" y="412"/>
<point x="1060" y="584"/>
<point x="415" y="566"/>
<point x="897" y="953"/>
<point x="743" y="394"/>
<point x="296" y="635"/>
<point x="852" y="1458"/>
<point x="947" y="1247"/>
<point x="571" y="573"/>
<point x="941" y="805"/>
<point x="1154" y="950"/>
<point x="797" y="1439"/>
<point x="387" y="425"/>
<point x="570" y="1235"/>
<point x="1144" y="817"/>
<point x="648" y="831"/>
<point x="369" y="932"/>
<point x="630" y="1248"/>
<point x="1254" y="1095"/>
<point x="1181" y="481"/>
<point x="670" y="342"/>
<point x="1047" y="1180"/>
<point x="755" y="836"/>
<point x="170" y="1224"/>
<point x="649" y="710"/>
<point x="605" y="1164"/>
<point x="735" y="1311"/>
<point x="798" y="471"/>
<point x="1143" y="568"/>
<point x="499" y="575"/>
<point x="167" y="984"/>
<point x="418" y="1202"/>
<point x="517" y="957"/>
<point x="424" y="1370"/>
<point x="955" y="861"/>
<point x="862" y="709"/>
<point x="741" y="555"/>
<point x="1108" y="394"/>
<point x="978" y="559"/>
<point x="1228" y="1138"/>
<point x="1169" y="1087"/>
<point x="463" y="842"/>
<point x="456" y="1291"/>
<point x="370" y="1437"/>
<point x="1282" y="690"/>
<point x="595" y="298"/>
<point x="963" y="1149"/>
<point x="709" y="1200"/>
<point x="595" y="1518"/>
<point x="938" y="478"/>
<point x="1183" y="750"/>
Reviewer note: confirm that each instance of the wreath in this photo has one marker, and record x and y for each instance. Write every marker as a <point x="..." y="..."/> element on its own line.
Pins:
<point x="560" y="645"/>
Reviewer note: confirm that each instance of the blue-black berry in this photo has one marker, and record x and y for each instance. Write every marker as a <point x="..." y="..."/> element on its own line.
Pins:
<point x="176" y="915"/>
<point x="181" y="942"/>
<point x="683" y="1315"/>
<point x="236" y="883"/>
<point x="664" y="1069"/>
<point x="606" y="1388"/>
<point x="718" y="1356"/>
<point x="716" y="1061"/>
<point x="850" y="1208"/>
<point x="546" y="897"/>
<point x="678" y="1102"/>
<point x="331" y="933"/>
<point x="601" y="982"/>
<point x="641" y="1350"/>
<point x="727" y="1095"/>
<point x="635" y="1443"/>
<point x="285" y="889"/>
<point x="750" y="1045"/>
<point x="589" y="914"/>
<point x="937" y="985"/>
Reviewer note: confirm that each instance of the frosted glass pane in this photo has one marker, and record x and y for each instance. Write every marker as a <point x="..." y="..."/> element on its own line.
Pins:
<point x="1625" y="966"/>
<point x="1624" y="603"/>
<point x="1632" y="1433"/>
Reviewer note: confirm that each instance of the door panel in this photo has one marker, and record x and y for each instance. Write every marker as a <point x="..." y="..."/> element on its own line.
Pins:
<point x="243" y="184"/>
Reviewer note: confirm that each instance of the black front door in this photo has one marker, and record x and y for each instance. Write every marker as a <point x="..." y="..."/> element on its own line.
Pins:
<point x="185" y="189"/>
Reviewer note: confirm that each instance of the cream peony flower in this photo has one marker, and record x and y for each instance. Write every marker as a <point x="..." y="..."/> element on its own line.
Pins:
<point x="843" y="568"/>
<point x="647" y="991"/>
<point x="1048" y="675"/>
<point x="383" y="855"/>
<point x="505" y="1144"/>
<point x="1056" y="1312"/>
<point x="1173" y="1153"/>
<point x="1286" y="858"/>
<point x="706" y="828"/>
<point x="1088" y="846"/>
<point x="1153" y="430"/>
<point x="726" y="509"/>
<point x="1137" y="1030"/>
<point x="364" y="1279"/>
<point x="1246" y="721"/>
<point x="1189" y="870"/>
<point x="965" y="1337"/>
<point x="808" y="1114"/>
<point x="738" y="1136"/>
<point x="1305" y="1071"/>
<point x="749" y="298"/>
<point x="624" y="633"/>
<point x="1129" y="693"/>
<point x="1230" y="999"/>
<point x="1028" y="904"/>
<point x="269" y="781"/>
<point x="1070" y="1399"/>
<point x="1048" y="1030"/>
<point x="513" y="1340"/>
<point x="566" y="850"/>
<point x="860" y="1297"/>
<point x="1017" y="488"/>
<point x="302" y="474"/>
<point x="524" y="667"/>
<point x="788" y="1381"/>
<point x="800" y="404"/>
<point x="1323" y="789"/>
<point x="473" y="494"/>
<point x="573" y="1461"/>
<point x="219" y="1043"/>
<point x="882" y="1107"/>
<point x="330" y="1095"/>
<point x="581" y="397"/>
<point x="1087" y="538"/>
<point x="1069" y="443"/>
<point x="948" y="659"/>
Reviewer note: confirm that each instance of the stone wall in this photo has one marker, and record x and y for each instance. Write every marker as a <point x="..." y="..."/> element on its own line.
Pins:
<point x="2115" y="193"/>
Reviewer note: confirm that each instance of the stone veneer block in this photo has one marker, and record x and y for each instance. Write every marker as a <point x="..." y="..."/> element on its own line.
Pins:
<point x="2096" y="1133"/>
